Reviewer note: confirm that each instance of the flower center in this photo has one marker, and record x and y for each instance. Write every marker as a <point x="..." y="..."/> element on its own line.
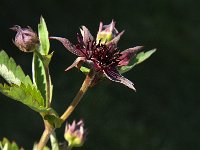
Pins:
<point x="101" y="54"/>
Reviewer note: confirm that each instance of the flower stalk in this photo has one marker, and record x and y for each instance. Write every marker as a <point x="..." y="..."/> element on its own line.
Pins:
<point x="49" y="128"/>
<point x="86" y="84"/>
<point x="69" y="147"/>
<point x="45" y="136"/>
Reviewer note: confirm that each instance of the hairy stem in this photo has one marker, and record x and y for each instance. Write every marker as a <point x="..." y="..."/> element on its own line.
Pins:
<point x="78" y="97"/>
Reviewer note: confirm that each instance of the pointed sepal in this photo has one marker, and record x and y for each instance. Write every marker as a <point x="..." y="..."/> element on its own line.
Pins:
<point x="139" y="58"/>
<point x="69" y="46"/>
<point x="87" y="36"/>
<point x="127" y="55"/>
<point x="113" y="75"/>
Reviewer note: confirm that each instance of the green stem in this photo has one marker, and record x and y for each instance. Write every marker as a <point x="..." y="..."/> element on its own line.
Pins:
<point x="45" y="136"/>
<point x="69" y="147"/>
<point x="87" y="82"/>
<point x="54" y="141"/>
<point x="48" y="127"/>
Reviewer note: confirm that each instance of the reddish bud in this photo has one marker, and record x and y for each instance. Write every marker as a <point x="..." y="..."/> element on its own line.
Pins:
<point x="26" y="39"/>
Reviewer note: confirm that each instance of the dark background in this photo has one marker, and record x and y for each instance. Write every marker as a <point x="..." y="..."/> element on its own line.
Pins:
<point x="163" y="114"/>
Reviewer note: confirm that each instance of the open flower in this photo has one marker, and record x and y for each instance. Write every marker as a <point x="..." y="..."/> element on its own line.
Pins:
<point x="104" y="57"/>
<point x="26" y="39"/>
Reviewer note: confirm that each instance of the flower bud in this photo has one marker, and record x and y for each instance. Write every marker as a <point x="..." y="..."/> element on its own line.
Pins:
<point x="26" y="39"/>
<point x="75" y="134"/>
<point x="106" y="32"/>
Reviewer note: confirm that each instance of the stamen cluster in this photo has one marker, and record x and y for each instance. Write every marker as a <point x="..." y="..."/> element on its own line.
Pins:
<point x="101" y="54"/>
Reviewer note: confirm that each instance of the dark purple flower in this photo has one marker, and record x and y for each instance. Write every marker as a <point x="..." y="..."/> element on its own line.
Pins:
<point x="26" y="39"/>
<point x="104" y="57"/>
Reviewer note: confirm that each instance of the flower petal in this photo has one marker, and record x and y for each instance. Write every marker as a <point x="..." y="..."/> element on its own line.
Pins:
<point x="68" y="45"/>
<point x="77" y="63"/>
<point x="100" y="26"/>
<point x="110" y="28"/>
<point x="127" y="55"/>
<point x="116" y="39"/>
<point x="113" y="75"/>
<point x="87" y="36"/>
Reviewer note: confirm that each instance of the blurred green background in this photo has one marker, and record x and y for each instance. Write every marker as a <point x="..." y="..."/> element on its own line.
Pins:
<point x="163" y="114"/>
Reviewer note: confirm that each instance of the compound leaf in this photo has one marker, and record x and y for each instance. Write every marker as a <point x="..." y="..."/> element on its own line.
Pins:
<point x="28" y="95"/>
<point x="12" y="73"/>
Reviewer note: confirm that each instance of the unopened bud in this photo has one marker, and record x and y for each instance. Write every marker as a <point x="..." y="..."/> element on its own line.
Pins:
<point x="106" y="32"/>
<point x="26" y="39"/>
<point x="75" y="134"/>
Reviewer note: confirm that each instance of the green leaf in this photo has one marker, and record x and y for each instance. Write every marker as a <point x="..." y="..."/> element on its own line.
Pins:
<point x="54" y="141"/>
<point x="12" y="73"/>
<point x="20" y="87"/>
<point x="44" y="37"/>
<point x="140" y="57"/>
<point x="44" y="58"/>
<point x="85" y="70"/>
<point x="5" y="144"/>
<point x="54" y="120"/>
<point x="27" y="95"/>
<point x="38" y="73"/>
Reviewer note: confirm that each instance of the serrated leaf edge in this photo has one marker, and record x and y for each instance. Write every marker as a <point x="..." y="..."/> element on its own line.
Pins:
<point x="12" y="70"/>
